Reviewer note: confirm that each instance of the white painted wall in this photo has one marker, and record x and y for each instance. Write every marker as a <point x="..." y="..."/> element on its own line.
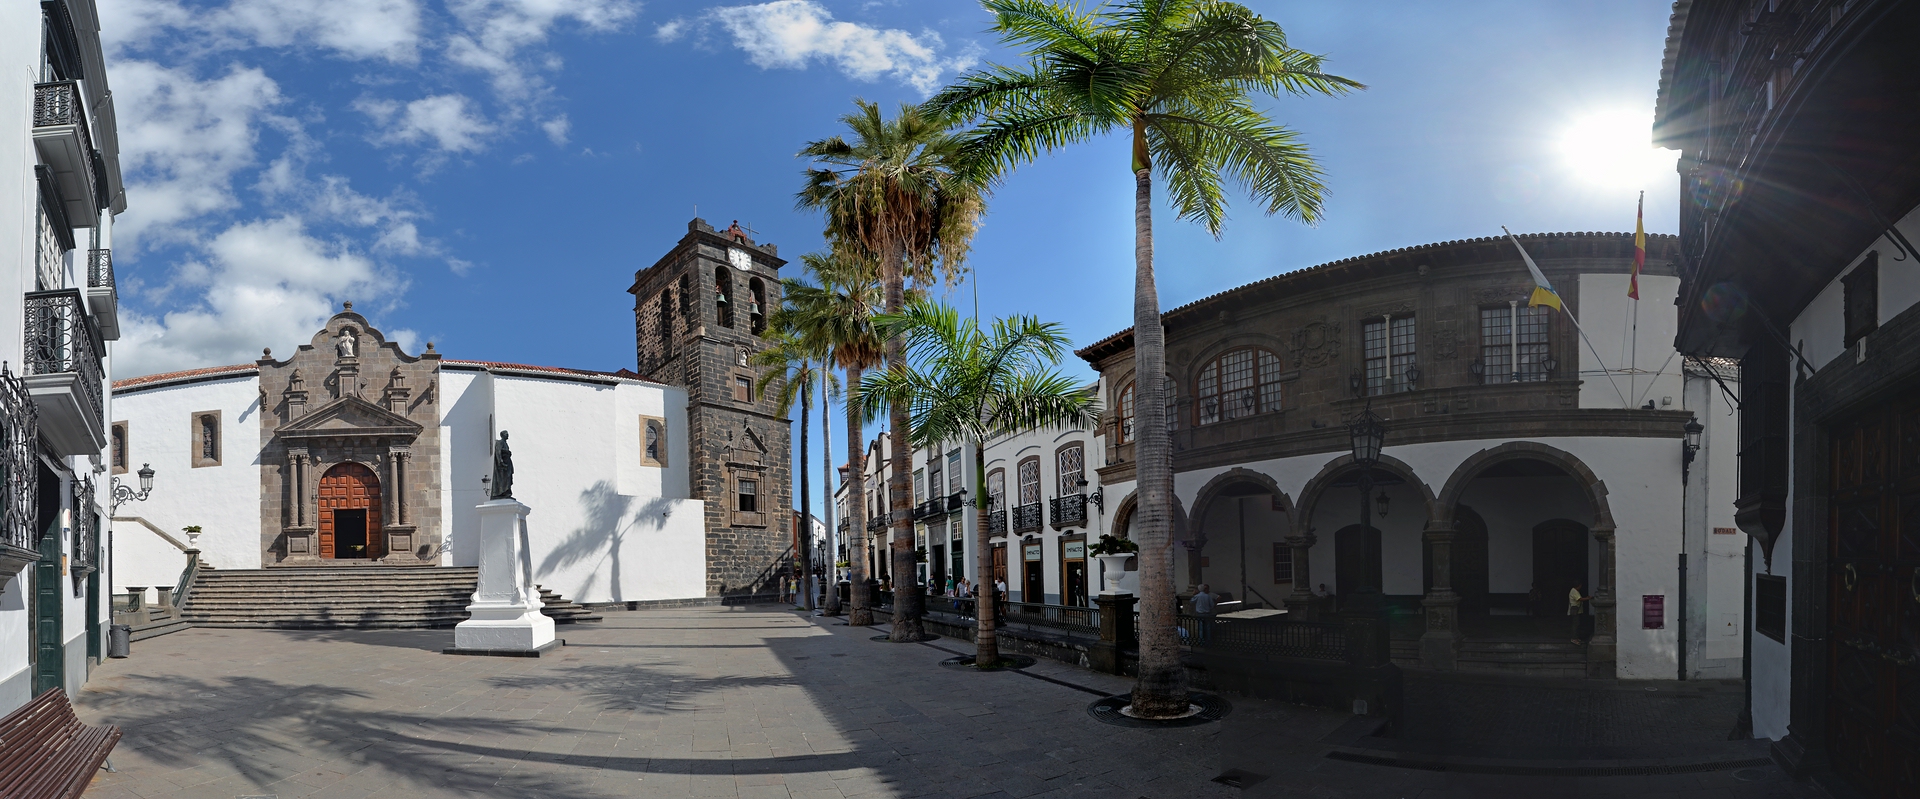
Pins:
<point x="1608" y="317"/>
<point x="224" y="500"/>
<point x="1006" y="452"/>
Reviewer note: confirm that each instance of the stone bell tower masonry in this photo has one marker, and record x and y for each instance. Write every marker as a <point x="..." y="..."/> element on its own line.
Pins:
<point x="699" y="313"/>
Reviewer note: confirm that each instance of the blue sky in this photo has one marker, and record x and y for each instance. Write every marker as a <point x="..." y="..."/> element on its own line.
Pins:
<point x="488" y="174"/>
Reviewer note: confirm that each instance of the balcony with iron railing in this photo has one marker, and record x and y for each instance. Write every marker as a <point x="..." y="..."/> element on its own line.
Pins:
<point x="63" y="371"/>
<point x="996" y="522"/>
<point x="65" y="145"/>
<point x="19" y="475"/>
<point x="1068" y="511"/>
<point x="103" y="297"/>
<point x="86" y="531"/>
<point x="1026" y="518"/>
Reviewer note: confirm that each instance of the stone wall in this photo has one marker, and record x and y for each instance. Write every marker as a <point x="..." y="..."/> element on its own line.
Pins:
<point x="707" y="351"/>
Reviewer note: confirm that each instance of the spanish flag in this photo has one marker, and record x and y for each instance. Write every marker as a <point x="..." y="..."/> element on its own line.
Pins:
<point x="1639" y="247"/>
<point x="1543" y="293"/>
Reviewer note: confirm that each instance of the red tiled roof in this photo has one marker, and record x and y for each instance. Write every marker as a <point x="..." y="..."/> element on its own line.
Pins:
<point x="163" y="377"/>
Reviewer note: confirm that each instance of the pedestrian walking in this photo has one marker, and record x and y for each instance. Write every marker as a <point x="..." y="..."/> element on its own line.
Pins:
<point x="1204" y="603"/>
<point x="1577" y="610"/>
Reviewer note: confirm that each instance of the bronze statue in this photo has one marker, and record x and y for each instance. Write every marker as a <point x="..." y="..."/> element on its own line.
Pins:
<point x="502" y="485"/>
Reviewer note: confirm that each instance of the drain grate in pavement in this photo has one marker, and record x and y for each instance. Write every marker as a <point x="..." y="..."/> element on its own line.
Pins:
<point x="1239" y="778"/>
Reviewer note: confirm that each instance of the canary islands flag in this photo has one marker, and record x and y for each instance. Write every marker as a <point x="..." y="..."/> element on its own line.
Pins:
<point x="1639" y="247"/>
<point x="1543" y="293"/>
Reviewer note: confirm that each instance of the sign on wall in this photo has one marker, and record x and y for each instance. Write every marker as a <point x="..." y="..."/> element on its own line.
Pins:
<point x="1031" y="551"/>
<point x="1075" y="550"/>
<point x="1653" y="612"/>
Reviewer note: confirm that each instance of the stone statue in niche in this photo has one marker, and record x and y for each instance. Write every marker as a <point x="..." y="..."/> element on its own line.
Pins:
<point x="347" y="344"/>
<point x="502" y="484"/>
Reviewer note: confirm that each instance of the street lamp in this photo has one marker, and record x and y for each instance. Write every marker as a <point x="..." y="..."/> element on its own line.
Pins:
<point x="123" y="494"/>
<point x="1690" y="447"/>
<point x="1365" y="433"/>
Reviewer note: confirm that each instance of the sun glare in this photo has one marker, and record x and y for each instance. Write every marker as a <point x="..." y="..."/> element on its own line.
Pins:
<point x="1612" y="149"/>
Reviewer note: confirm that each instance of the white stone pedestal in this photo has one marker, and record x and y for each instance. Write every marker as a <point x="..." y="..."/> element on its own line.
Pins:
<point x="505" y="617"/>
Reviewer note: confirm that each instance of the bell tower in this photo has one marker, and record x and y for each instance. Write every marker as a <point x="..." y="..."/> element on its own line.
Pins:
<point x="698" y="314"/>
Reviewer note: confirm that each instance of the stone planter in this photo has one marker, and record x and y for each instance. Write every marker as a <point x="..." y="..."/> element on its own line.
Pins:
<point x="1111" y="569"/>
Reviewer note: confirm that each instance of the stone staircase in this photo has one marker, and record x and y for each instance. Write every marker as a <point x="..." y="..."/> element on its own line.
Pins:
<point x="327" y="598"/>
<point x="563" y="610"/>
<point x="1529" y="656"/>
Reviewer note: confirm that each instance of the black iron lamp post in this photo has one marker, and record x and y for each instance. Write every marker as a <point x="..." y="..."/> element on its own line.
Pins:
<point x="123" y="494"/>
<point x="1691" y="447"/>
<point x="1365" y="433"/>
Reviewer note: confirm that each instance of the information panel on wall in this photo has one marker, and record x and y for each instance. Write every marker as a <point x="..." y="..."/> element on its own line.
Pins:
<point x="1653" y="612"/>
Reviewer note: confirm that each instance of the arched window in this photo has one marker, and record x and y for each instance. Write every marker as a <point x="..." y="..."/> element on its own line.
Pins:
<point x="666" y="323"/>
<point x="723" y="296"/>
<point x="1030" y="481"/>
<point x="757" y="306"/>
<point x="997" y="489"/>
<point x="1070" y="472"/>
<point x="1123" y="412"/>
<point x="1239" y="383"/>
<point x="686" y="297"/>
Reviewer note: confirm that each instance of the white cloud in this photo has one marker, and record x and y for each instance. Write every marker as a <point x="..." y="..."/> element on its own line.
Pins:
<point x="264" y="283"/>
<point x="388" y="30"/>
<point x="181" y="142"/>
<point x="494" y="34"/>
<point x="671" y="30"/>
<point x="449" y="121"/>
<point x="789" y="34"/>
<point x="557" y="129"/>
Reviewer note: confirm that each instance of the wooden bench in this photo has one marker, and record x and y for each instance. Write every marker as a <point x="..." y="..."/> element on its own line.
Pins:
<point x="46" y="753"/>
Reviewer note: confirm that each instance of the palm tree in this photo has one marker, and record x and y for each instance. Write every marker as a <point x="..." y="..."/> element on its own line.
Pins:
<point x="799" y="365"/>
<point x="1175" y="75"/>
<point x="971" y="385"/>
<point x="835" y="313"/>
<point x="896" y="191"/>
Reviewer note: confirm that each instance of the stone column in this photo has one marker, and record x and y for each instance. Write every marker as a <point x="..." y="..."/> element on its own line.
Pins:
<point x="400" y="534"/>
<point x="303" y="542"/>
<point x="1116" y="632"/>
<point x="1442" y="605"/>
<point x="1602" y="649"/>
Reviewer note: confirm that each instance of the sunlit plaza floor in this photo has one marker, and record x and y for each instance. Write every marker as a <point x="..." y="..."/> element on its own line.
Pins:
<point x="707" y="702"/>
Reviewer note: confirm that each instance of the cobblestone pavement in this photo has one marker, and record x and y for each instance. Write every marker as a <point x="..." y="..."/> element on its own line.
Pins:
<point x="1509" y="717"/>
<point x="708" y="702"/>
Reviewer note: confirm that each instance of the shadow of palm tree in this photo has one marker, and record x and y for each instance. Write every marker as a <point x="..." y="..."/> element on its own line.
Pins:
<point x="635" y="688"/>
<point x="610" y="518"/>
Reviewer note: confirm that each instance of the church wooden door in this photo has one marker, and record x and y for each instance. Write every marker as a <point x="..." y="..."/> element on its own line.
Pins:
<point x="355" y="489"/>
<point x="1873" y="601"/>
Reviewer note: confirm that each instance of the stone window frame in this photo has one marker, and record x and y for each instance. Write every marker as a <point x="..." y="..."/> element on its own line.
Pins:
<point x="1264" y="381"/>
<point x="118" y="439"/>
<point x="1282" y="560"/>
<point x="659" y="457"/>
<point x="741" y="380"/>
<point x="197" y="444"/>
<point x="1532" y="368"/>
<point x="762" y="495"/>
<point x="1393" y="360"/>
<point x="723" y="296"/>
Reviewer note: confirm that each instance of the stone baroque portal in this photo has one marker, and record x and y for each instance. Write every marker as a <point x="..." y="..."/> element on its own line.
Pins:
<point x="350" y="451"/>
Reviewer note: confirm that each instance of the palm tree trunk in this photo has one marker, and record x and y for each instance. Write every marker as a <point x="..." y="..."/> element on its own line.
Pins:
<point x="861" y="614"/>
<point x="1160" y="690"/>
<point x="804" y="546"/>
<point x="986" y="641"/>
<point x="826" y="481"/>
<point x="908" y="605"/>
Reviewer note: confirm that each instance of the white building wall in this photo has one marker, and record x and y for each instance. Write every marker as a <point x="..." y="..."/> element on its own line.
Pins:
<point x="1006" y="452"/>
<point x="223" y="500"/>
<point x="1612" y="342"/>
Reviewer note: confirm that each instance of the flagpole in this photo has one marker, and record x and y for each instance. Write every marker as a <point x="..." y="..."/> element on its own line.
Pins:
<point x="1540" y="280"/>
<point x="1633" y="359"/>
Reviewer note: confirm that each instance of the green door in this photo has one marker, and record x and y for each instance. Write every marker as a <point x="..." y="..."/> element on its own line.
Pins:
<point x="50" y="659"/>
<point x="93" y="615"/>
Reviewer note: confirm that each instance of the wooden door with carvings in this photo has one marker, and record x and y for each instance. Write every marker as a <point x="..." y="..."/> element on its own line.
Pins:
<point x="350" y="486"/>
<point x="1873" y="600"/>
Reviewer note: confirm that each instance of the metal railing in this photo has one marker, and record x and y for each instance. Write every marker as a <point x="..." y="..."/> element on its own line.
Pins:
<point x="1271" y="637"/>
<point x="19" y="462"/>
<point x="1072" y="618"/>
<point x="929" y="509"/>
<point x="1068" y="511"/>
<point x="996" y="522"/>
<point x="58" y="103"/>
<point x="61" y="338"/>
<point x="100" y="269"/>
<point x="876" y="524"/>
<point x="86" y="527"/>
<point x="1026" y="518"/>
<point x="956" y="501"/>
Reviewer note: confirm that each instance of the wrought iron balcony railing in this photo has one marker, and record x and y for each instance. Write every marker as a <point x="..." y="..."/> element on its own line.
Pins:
<point x="63" y="371"/>
<point x="1026" y="518"/>
<point x="1068" y="511"/>
<point x="876" y="524"/>
<point x="86" y="528"/>
<point x="64" y="142"/>
<point x="19" y="475"/>
<point x="996" y="522"/>
<point x="100" y="269"/>
<point x="956" y="501"/>
<point x="844" y="523"/>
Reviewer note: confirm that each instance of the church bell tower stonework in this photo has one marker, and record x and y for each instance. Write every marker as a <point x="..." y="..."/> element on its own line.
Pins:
<point x="350" y="453"/>
<point x="699" y="313"/>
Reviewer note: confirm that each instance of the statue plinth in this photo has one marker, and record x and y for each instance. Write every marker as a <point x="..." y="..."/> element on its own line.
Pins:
<point x="504" y="616"/>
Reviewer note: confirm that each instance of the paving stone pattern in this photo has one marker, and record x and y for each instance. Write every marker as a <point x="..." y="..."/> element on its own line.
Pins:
<point x="700" y="702"/>
<point x="1509" y="718"/>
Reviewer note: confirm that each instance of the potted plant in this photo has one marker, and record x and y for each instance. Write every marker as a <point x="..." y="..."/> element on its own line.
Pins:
<point x="193" y="535"/>
<point x="1113" y="553"/>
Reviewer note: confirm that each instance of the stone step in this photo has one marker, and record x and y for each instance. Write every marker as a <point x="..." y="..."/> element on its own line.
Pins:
<point x="332" y="598"/>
